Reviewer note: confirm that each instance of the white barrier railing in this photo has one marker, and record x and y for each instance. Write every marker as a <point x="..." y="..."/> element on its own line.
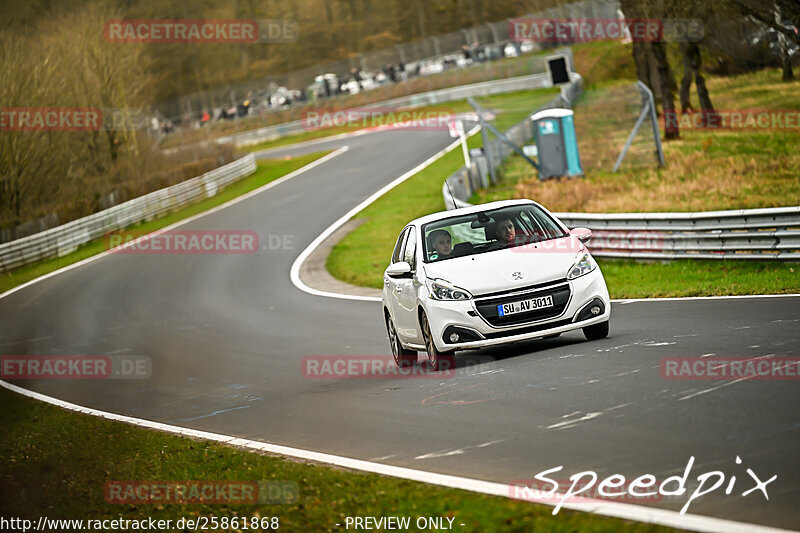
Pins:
<point x="486" y="88"/>
<point x="761" y="234"/>
<point x="66" y="238"/>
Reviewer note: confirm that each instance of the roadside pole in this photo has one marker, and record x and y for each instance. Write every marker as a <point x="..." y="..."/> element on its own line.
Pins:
<point x="456" y="128"/>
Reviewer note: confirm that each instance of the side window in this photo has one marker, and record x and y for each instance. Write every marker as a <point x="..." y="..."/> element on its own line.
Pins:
<point x="543" y="223"/>
<point x="399" y="246"/>
<point x="409" y="255"/>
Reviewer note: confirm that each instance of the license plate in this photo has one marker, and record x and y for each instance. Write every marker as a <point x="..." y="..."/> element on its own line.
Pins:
<point x="525" y="305"/>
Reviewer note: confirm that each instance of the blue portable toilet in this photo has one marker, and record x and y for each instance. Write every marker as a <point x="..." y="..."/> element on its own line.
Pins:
<point x="554" y="132"/>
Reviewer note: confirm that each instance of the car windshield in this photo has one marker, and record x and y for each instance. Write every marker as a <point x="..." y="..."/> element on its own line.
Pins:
<point x="487" y="231"/>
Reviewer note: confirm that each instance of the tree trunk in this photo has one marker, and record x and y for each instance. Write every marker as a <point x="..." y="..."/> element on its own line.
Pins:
<point x="686" y="81"/>
<point x="709" y="113"/>
<point x="671" y="130"/>
<point x="421" y="18"/>
<point x="640" y="58"/>
<point x="788" y="73"/>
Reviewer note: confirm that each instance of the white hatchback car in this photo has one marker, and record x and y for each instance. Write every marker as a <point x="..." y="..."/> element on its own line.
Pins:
<point x="490" y="274"/>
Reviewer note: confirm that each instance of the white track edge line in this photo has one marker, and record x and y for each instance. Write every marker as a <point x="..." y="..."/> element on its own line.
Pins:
<point x="611" y="509"/>
<point x="624" y="511"/>
<point x="303" y="144"/>
<point x="229" y="203"/>
<point x="295" y="271"/>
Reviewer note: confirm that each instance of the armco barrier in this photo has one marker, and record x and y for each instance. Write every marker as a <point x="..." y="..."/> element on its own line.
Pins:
<point x="761" y="234"/>
<point x="64" y="239"/>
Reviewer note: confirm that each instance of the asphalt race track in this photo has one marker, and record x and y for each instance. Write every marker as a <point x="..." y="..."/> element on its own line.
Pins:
<point x="226" y="335"/>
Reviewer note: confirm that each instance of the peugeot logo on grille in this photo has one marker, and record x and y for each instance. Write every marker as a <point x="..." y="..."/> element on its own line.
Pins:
<point x="516" y="275"/>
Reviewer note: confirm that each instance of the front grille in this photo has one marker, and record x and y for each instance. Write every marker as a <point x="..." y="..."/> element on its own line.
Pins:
<point x="487" y="306"/>
<point x="527" y="288"/>
<point x="530" y="329"/>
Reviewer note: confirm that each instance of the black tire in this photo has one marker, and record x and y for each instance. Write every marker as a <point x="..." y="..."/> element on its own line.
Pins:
<point x="402" y="356"/>
<point x="596" y="331"/>
<point x="438" y="360"/>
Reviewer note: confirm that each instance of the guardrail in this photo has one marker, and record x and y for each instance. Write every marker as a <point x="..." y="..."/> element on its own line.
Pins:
<point x="66" y="238"/>
<point x="761" y="234"/>
<point x="486" y="88"/>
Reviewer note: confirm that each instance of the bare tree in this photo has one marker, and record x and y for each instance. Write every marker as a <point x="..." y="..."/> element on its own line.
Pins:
<point x="774" y="15"/>
<point x="652" y="66"/>
<point x="27" y="156"/>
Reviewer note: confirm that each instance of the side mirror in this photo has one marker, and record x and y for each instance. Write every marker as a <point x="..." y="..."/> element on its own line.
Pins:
<point x="400" y="269"/>
<point x="582" y="234"/>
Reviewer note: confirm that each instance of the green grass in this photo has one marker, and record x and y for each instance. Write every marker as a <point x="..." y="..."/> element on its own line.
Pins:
<point x="361" y="257"/>
<point x="267" y="171"/>
<point x="295" y="138"/>
<point x="56" y="463"/>
<point x="630" y="279"/>
<point x="705" y="169"/>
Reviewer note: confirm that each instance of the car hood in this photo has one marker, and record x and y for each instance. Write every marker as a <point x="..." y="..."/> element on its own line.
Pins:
<point x="504" y="269"/>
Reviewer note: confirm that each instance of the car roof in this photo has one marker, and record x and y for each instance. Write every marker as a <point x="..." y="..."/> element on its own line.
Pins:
<point x="469" y="210"/>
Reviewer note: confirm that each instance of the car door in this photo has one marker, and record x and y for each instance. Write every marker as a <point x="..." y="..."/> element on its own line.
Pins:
<point x="406" y="293"/>
<point x="389" y="282"/>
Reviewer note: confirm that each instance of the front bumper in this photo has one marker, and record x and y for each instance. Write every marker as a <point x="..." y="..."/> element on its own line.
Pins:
<point x="464" y="316"/>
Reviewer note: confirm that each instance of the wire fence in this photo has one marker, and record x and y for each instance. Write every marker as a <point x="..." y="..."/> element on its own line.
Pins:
<point x="604" y="118"/>
<point x="464" y="55"/>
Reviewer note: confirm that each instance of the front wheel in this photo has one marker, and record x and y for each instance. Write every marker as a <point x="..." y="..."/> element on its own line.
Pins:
<point x="596" y="331"/>
<point x="402" y="356"/>
<point x="437" y="359"/>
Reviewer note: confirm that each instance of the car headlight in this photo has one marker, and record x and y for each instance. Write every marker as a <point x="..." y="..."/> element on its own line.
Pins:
<point x="582" y="266"/>
<point x="441" y="290"/>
